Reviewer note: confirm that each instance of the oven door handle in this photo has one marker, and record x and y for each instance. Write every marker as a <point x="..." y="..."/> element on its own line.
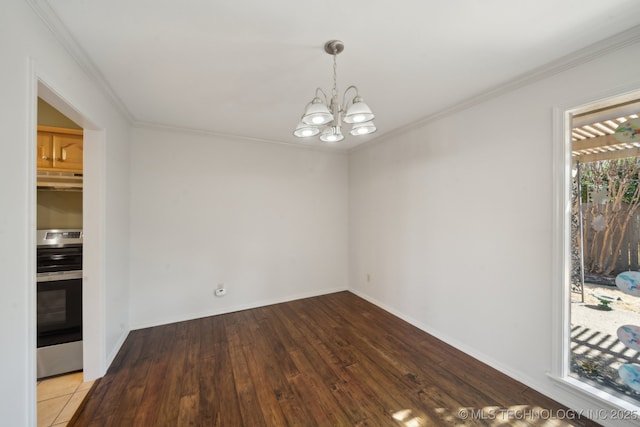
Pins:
<point x="58" y="275"/>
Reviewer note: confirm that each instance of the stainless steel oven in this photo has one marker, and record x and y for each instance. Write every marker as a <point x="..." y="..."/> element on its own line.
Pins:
<point x="59" y="301"/>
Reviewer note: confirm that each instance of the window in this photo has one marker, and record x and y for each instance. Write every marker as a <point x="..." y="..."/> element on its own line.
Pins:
<point x="605" y="248"/>
<point x="598" y="308"/>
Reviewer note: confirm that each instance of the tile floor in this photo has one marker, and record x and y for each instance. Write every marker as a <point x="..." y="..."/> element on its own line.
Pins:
<point x="59" y="397"/>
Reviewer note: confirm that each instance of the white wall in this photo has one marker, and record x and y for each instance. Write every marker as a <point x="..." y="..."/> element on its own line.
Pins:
<point x="453" y="220"/>
<point x="29" y="52"/>
<point x="269" y="221"/>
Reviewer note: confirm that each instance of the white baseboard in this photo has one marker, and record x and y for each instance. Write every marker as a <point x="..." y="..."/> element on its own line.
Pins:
<point x="115" y="350"/>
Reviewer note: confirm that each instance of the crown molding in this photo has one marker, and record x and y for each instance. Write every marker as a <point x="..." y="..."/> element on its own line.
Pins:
<point x="567" y="62"/>
<point x="53" y="22"/>
<point x="208" y="133"/>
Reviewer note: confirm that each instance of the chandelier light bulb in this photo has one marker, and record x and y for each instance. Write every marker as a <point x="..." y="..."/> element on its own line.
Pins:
<point x="358" y="112"/>
<point x="304" y="130"/>
<point x="317" y="113"/>
<point x="363" y="128"/>
<point x="332" y="134"/>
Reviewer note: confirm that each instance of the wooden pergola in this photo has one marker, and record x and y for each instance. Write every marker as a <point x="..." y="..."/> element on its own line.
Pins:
<point x="592" y="137"/>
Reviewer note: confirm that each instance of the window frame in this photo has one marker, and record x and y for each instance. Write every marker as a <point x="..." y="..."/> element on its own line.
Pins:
<point x="588" y="396"/>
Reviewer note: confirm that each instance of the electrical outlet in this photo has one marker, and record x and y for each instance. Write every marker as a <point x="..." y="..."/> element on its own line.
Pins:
<point x="220" y="290"/>
<point x="368" y="277"/>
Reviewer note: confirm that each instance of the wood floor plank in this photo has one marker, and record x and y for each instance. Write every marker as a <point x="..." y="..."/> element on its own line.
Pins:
<point x="267" y="378"/>
<point x="147" y="412"/>
<point x="316" y="394"/>
<point x="282" y="367"/>
<point x="229" y="412"/>
<point x="359" y="403"/>
<point x="329" y="360"/>
<point x="191" y="368"/>
<point x="169" y="405"/>
<point x="218" y="404"/>
<point x="245" y="388"/>
<point x="291" y="402"/>
<point x="188" y="411"/>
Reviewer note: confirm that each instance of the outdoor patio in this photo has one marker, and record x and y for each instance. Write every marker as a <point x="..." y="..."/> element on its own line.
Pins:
<point x="596" y="351"/>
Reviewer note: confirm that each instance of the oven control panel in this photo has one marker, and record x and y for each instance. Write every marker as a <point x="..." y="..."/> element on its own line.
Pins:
<point x="62" y="235"/>
<point x="59" y="237"/>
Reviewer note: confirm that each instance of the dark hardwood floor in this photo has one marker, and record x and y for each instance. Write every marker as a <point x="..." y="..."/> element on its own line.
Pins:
<point x="333" y="360"/>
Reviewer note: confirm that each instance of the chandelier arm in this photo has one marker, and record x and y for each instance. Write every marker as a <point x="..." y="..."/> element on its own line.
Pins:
<point x="324" y="95"/>
<point x="345" y="99"/>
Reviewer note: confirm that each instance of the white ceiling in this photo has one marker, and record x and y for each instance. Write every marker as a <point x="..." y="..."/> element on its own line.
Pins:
<point x="248" y="68"/>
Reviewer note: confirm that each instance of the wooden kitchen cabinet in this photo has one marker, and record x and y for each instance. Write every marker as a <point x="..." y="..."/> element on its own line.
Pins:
<point x="59" y="149"/>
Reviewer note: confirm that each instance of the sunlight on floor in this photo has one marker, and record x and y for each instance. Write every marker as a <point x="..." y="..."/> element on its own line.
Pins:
<point x="406" y="417"/>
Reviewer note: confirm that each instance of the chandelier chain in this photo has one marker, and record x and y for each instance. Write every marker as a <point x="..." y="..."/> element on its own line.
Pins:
<point x="335" y="79"/>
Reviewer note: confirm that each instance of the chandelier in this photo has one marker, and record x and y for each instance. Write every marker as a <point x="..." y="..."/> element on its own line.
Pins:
<point x="325" y="117"/>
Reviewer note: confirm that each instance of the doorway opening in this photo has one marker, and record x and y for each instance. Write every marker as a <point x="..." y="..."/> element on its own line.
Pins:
<point x="86" y="212"/>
